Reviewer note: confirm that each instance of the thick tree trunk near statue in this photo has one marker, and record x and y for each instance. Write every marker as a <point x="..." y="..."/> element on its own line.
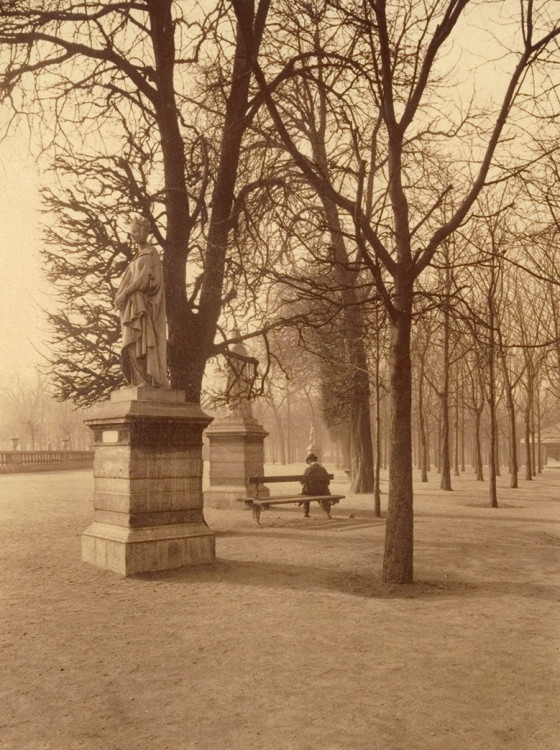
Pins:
<point x="188" y="358"/>
<point x="184" y="366"/>
<point x="398" y="556"/>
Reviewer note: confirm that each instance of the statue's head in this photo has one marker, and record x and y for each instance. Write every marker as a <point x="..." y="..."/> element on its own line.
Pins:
<point x="139" y="228"/>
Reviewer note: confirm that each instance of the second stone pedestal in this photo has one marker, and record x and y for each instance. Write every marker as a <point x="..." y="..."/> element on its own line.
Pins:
<point x="148" y="502"/>
<point x="236" y="452"/>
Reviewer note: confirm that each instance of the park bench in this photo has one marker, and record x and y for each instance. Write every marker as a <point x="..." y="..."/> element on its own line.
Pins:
<point x="258" y="504"/>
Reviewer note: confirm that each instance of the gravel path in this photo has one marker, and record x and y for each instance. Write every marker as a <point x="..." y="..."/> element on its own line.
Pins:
<point x="289" y="641"/>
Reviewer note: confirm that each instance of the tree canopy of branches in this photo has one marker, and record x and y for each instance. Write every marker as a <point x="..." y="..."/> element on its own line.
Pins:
<point x="387" y="183"/>
<point x="128" y="128"/>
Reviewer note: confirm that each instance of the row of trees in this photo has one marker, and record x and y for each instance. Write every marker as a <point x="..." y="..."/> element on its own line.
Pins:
<point x="485" y="362"/>
<point x="306" y="163"/>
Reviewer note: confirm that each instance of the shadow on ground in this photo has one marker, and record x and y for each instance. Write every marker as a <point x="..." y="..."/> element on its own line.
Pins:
<point x="309" y="578"/>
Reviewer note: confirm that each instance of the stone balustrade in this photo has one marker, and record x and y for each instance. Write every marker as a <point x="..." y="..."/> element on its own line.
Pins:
<point x="23" y="461"/>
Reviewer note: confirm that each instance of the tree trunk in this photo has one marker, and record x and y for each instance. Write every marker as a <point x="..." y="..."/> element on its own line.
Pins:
<point x="281" y="436"/>
<point x="445" y="462"/>
<point x="185" y="369"/>
<point x="345" y="449"/>
<point x="378" y="444"/>
<point x="533" y="452"/>
<point x="478" y="446"/>
<point x="361" y="441"/>
<point x="222" y="198"/>
<point x="528" y="460"/>
<point x="398" y="556"/>
<point x="445" y="455"/>
<point x="456" y="433"/>
<point x="191" y="345"/>
<point x="289" y="428"/>
<point x="463" y="458"/>
<point x="538" y="434"/>
<point x="492" y="405"/>
<point x="361" y="446"/>
<point x="513" y="463"/>
<point x="422" y="430"/>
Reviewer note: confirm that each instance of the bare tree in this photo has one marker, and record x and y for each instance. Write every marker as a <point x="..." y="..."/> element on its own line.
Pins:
<point x="27" y="403"/>
<point x="397" y="62"/>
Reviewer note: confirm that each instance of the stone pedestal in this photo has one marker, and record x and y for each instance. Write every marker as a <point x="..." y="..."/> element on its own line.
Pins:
<point x="148" y="484"/>
<point x="236" y="451"/>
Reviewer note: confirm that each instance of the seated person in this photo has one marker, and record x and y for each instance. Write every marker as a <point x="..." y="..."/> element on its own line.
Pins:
<point x="316" y="481"/>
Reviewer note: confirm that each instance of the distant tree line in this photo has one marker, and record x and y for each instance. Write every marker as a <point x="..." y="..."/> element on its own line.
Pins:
<point x="32" y="419"/>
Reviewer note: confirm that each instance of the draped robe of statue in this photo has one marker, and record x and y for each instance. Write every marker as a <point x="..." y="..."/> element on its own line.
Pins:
<point x="143" y="320"/>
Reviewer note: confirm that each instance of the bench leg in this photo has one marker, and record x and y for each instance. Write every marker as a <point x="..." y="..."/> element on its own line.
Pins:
<point x="326" y="506"/>
<point x="255" y="508"/>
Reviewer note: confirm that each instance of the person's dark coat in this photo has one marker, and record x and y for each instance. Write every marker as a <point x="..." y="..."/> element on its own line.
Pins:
<point x="316" y="480"/>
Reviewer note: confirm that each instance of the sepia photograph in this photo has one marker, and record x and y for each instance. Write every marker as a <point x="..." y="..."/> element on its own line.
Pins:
<point x="280" y="374"/>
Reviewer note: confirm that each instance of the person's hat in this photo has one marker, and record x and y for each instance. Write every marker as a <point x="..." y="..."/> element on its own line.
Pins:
<point x="311" y="457"/>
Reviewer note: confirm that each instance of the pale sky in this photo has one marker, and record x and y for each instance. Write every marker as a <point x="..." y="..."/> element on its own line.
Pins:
<point x="22" y="289"/>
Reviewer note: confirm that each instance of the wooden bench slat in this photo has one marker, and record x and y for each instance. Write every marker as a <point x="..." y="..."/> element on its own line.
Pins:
<point x="275" y="500"/>
<point x="294" y="498"/>
<point x="298" y="499"/>
<point x="284" y="478"/>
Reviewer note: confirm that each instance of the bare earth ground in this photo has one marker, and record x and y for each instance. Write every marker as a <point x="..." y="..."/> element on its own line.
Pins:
<point x="289" y="641"/>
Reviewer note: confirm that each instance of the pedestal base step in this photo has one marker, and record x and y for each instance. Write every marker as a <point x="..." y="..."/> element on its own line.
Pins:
<point x="130" y="551"/>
